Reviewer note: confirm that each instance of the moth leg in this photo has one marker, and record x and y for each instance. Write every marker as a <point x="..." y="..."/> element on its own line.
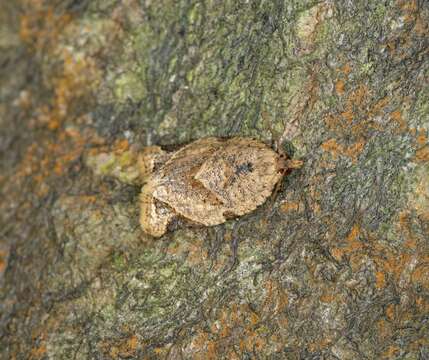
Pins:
<point x="154" y="215"/>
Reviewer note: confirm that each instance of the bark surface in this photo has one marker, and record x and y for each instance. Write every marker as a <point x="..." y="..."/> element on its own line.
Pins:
<point x="335" y="266"/>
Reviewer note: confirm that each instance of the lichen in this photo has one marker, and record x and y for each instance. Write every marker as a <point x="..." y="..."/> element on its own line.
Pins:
<point x="122" y="166"/>
<point x="342" y="245"/>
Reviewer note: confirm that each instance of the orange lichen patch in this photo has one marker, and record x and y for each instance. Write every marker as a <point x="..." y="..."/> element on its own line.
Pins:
<point x="233" y="355"/>
<point x="160" y="350"/>
<point x="391" y="46"/>
<point x="389" y="262"/>
<point x="79" y="76"/>
<point x="358" y="114"/>
<point x="4" y="254"/>
<point x="346" y="69"/>
<point x="339" y="87"/>
<point x="77" y="79"/>
<point x="411" y="243"/>
<point x="408" y="6"/>
<point x="254" y="318"/>
<point x="404" y="219"/>
<point x="49" y="159"/>
<point x="383" y="329"/>
<point x="252" y="341"/>
<point x="418" y="200"/>
<point x="422" y="139"/>
<point x="54" y="153"/>
<point x="114" y="352"/>
<point x="309" y="22"/>
<point x="347" y="116"/>
<point x="320" y="345"/>
<point x="418" y="344"/>
<point x="132" y="343"/>
<point x="422" y="155"/>
<point x="353" y="247"/>
<point x="337" y="253"/>
<point x="353" y="235"/>
<point x="276" y="298"/>
<point x="405" y="264"/>
<point x="38" y="352"/>
<point x="390" y="311"/>
<point x="358" y="96"/>
<point x="380" y="280"/>
<point x="404" y="38"/>
<point x="124" y="348"/>
<point x="102" y="148"/>
<point x="356" y="259"/>
<point x="88" y="199"/>
<point x="396" y="116"/>
<point x="354" y="150"/>
<point x="337" y="150"/>
<point x="327" y="297"/>
<point x="420" y="274"/>
<point x="333" y="147"/>
<point x="121" y="146"/>
<point x="391" y="352"/>
<point x="40" y="26"/>
<point x="200" y="339"/>
<point x="404" y="226"/>
<point x="379" y="106"/>
<point x="212" y="350"/>
<point x="236" y="325"/>
<point x="420" y="27"/>
<point x="423" y="304"/>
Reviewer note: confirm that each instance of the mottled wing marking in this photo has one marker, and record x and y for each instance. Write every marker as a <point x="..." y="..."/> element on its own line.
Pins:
<point x="215" y="174"/>
<point x="150" y="159"/>
<point x="208" y="180"/>
<point x="242" y="174"/>
<point x="154" y="215"/>
<point x="193" y="202"/>
<point x="194" y="151"/>
<point x="175" y="184"/>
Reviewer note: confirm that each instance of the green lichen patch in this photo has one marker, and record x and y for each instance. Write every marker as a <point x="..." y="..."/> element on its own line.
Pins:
<point x="122" y="166"/>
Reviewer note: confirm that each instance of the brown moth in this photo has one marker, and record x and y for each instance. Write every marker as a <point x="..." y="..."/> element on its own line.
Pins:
<point x="207" y="181"/>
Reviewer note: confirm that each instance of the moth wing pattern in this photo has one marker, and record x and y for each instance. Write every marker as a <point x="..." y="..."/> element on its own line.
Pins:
<point x="176" y="186"/>
<point x="154" y="215"/>
<point x="195" y="204"/>
<point x="192" y="152"/>
<point x="208" y="181"/>
<point x="151" y="158"/>
<point x="243" y="174"/>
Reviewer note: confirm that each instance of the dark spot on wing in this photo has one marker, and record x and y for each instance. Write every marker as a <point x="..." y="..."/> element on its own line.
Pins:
<point x="244" y="168"/>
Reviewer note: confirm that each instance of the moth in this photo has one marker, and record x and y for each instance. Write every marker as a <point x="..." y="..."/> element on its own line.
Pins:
<point x="207" y="181"/>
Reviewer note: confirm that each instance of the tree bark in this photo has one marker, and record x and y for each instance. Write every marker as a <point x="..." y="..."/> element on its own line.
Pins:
<point x="334" y="266"/>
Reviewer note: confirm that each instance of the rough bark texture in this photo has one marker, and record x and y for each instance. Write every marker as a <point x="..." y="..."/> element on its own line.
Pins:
<point x="335" y="266"/>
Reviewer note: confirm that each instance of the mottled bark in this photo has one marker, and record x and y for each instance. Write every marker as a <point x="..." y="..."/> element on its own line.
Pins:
<point x="335" y="266"/>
